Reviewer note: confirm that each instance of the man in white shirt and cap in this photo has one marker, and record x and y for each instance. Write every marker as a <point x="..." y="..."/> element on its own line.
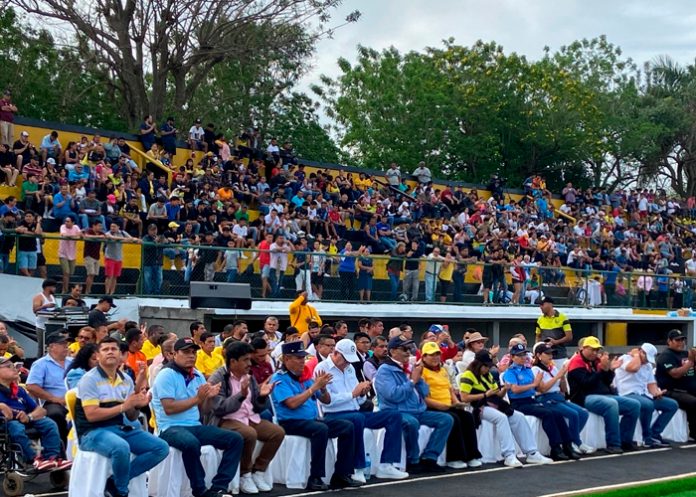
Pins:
<point x="347" y="394"/>
<point x="635" y="379"/>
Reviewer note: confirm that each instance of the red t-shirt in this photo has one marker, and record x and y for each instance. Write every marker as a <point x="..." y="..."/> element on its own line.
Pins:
<point x="265" y="254"/>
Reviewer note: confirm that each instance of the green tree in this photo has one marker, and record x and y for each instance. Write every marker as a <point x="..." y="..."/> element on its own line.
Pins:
<point x="50" y="82"/>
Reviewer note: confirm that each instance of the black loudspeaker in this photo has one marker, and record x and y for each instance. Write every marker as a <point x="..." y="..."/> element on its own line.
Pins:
<point x="220" y="295"/>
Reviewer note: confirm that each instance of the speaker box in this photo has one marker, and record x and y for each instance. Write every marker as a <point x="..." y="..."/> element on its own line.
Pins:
<point x="209" y="295"/>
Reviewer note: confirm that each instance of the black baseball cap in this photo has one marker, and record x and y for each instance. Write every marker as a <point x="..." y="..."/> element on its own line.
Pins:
<point x="542" y="348"/>
<point x="676" y="335"/>
<point x="108" y="299"/>
<point x="547" y="300"/>
<point x="185" y="343"/>
<point x="484" y="357"/>
<point x="49" y="282"/>
<point x="56" y="338"/>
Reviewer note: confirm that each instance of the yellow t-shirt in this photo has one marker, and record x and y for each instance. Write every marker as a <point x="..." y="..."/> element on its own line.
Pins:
<point x="150" y="351"/>
<point x="208" y="364"/>
<point x="438" y="382"/>
<point x="447" y="271"/>
<point x="74" y="348"/>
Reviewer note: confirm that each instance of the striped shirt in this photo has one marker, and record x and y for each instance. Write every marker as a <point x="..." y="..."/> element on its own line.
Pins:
<point x="97" y="389"/>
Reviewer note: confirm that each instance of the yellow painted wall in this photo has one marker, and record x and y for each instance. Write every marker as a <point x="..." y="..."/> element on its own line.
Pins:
<point x="615" y="334"/>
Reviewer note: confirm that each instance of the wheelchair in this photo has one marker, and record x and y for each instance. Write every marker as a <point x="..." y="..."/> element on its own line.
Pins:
<point x="15" y="473"/>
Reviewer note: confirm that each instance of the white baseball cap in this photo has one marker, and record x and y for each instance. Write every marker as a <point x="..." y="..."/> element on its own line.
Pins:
<point x="650" y="351"/>
<point x="347" y="349"/>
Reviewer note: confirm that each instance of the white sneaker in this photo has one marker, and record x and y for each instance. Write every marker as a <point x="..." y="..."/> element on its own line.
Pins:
<point x="537" y="458"/>
<point x="173" y="267"/>
<point x="390" y="472"/>
<point x="474" y="463"/>
<point x="359" y="476"/>
<point x="584" y="449"/>
<point x="512" y="462"/>
<point x="456" y="464"/>
<point x="247" y="485"/>
<point x="260" y="481"/>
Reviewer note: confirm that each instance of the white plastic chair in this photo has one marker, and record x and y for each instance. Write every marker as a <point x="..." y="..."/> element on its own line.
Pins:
<point x="90" y="472"/>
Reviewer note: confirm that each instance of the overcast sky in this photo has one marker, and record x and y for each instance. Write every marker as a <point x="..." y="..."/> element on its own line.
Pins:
<point x="643" y="29"/>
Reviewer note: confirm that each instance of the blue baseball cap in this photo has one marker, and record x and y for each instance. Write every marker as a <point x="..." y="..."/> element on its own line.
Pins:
<point x="436" y="328"/>
<point x="518" y="349"/>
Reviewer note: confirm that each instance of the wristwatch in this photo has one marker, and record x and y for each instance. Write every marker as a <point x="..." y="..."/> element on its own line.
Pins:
<point x="31" y="418"/>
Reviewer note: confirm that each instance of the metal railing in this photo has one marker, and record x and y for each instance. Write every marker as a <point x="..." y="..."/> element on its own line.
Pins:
<point x="161" y="269"/>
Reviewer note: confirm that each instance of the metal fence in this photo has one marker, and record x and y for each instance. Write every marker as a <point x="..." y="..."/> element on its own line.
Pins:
<point x="159" y="269"/>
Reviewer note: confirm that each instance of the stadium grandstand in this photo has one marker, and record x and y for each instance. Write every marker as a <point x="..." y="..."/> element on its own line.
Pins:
<point x="122" y="227"/>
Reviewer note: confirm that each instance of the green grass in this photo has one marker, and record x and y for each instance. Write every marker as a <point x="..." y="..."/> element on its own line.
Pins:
<point x="685" y="487"/>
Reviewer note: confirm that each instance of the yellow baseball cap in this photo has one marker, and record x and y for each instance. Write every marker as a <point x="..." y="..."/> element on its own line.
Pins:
<point x="430" y="348"/>
<point x="592" y="342"/>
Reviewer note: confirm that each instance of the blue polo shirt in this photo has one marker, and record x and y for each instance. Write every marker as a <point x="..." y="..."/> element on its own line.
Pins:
<point x="49" y="375"/>
<point x="519" y="375"/>
<point x="288" y="387"/>
<point x="22" y="401"/>
<point x="171" y="384"/>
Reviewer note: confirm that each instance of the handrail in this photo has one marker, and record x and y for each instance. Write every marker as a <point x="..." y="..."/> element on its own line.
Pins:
<point x="156" y="162"/>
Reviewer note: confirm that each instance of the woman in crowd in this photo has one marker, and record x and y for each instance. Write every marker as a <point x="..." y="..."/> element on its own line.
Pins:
<point x="522" y="384"/>
<point x="478" y="388"/>
<point x="462" y="445"/>
<point x="84" y="360"/>
<point x="551" y="393"/>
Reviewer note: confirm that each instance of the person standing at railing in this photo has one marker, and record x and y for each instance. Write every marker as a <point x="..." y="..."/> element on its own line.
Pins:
<point x="302" y="266"/>
<point x="67" y="250"/>
<point x="113" y="256"/>
<point x="153" y="256"/>
<point x="279" y="263"/>
<point x="27" y="255"/>
<point x="432" y="268"/>
<point x="412" y="271"/>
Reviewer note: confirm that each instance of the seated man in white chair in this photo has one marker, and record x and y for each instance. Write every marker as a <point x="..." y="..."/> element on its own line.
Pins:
<point x="180" y="397"/>
<point x="105" y="396"/>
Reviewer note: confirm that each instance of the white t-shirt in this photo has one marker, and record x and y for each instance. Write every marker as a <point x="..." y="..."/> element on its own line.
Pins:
<point x="196" y="133"/>
<point x="627" y="383"/>
<point x="548" y="376"/>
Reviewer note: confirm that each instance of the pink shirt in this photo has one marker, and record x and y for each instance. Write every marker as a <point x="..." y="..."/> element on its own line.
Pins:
<point x="245" y="413"/>
<point x="67" y="249"/>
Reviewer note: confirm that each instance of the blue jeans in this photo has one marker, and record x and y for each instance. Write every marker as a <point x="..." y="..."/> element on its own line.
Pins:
<point x="50" y="439"/>
<point x="190" y="439"/>
<point x="441" y="422"/>
<point x="173" y="253"/>
<point x="4" y="262"/>
<point x="318" y="432"/>
<point x="231" y="275"/>
<point x="118" y="445"/>
<point x="575" y="416"/>
<point x="430" y="286"/>
<point x="394" y="285"/>
<point x="85" y="220"/>
<point x="610" y="407"/>
<point x="152" y="280"/>
<point x="390" y="420"/>
<point x="667" y="408"/>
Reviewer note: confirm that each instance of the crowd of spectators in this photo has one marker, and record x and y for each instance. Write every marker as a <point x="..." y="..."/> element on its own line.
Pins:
<point x="635" y="243"/>
<point x="241" y="386"/>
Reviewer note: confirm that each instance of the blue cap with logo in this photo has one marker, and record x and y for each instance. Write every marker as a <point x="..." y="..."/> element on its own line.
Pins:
<point x="518" y="349"/>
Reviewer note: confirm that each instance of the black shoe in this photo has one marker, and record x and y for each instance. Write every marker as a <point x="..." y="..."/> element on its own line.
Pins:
<point x="431" y="466"/>
<point x="338" y="482"/>
<point x="110" y="489"/>
<point x="414" y="468"/>
<point x="629" y="446"/>
<point x="570" y="452"/>
<point x="654" y="443"/>
<point x="614" y="450"/>
<point x="558" y="455"/>
<point x="315" y="484"/>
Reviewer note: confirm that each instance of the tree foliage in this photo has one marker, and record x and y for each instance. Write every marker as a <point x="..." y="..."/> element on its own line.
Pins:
<point x="158" y="53"/>
<point x="578" y="114"/>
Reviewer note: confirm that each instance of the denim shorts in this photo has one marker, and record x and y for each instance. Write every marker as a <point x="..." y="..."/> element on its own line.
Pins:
<point x="27" y="260"/>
